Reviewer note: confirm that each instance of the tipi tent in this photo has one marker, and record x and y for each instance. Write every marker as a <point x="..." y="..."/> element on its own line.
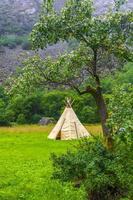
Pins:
<point x="68" y="126"/>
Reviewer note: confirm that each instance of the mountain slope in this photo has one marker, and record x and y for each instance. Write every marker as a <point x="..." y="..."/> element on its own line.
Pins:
<point x="17" y="18"/>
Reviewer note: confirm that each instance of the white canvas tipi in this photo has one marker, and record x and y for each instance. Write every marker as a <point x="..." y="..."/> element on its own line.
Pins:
<point x="68" y="126"/>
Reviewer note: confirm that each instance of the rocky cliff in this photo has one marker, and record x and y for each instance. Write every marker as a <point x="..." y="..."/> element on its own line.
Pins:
<point x="18" y="16"/>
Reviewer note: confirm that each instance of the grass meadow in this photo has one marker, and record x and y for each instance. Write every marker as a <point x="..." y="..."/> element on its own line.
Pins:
<point x="26" y="168"/>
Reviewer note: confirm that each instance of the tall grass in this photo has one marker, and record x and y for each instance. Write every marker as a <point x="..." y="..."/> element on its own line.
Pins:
<point x="94" y="129"/>
<point x="26" y="168"/>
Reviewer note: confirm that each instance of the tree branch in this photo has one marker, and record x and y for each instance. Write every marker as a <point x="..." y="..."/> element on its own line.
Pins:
<point x="50" y="81"/>
<point x="95" y="62"/>
<point x="89" y="89"/>
<point x="81" y="35"/>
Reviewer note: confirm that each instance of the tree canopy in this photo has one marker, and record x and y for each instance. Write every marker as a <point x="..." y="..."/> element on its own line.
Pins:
<point x="103" y="41"/>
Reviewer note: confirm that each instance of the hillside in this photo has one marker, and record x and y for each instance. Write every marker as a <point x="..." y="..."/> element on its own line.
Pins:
<point x="16" y="20"/>
<point x="18" y="16"/>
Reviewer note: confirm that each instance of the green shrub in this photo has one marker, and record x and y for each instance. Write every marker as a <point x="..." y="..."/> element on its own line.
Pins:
<point x="3" y="104"/>
<point x="10" y="115"/>
<point x="50" y="104"/>
<point x="12" y="45"/>
<point x="21" y="119"/>
<point x="3" y="120"/>
<point x="104" y="173"/>
<point x="119" y="78"/>
<point x="35" y="118"/>
<point x="86" y="109"/>
<point x="121" y="109"/>
<point x="3" y="94"/>
<point x="12" y="41"/>
<point x="26" y="45"/>
<point x="84" y="106"/>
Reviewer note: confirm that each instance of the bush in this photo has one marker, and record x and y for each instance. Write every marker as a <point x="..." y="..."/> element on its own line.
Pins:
<point x="12" y="45"/>
<point x="4" y="121"/>
<point x="121" y="109"/>
<point x="26" y="107"/>
<point x="26" y="45"/>
<point x="35" y="118"/>
<point x="3" y="104"/>
<point x="10" y="115"/>
<point x="119" y="78"/>
<point x="51" y="104"/>
<point x="84" y="106"/>
<point x="12" y="41"/>
<point x="104" y="173"/>
<point x="3" y="95"/>
<point x="21" y="119"/>
<point x="86" y="109"/>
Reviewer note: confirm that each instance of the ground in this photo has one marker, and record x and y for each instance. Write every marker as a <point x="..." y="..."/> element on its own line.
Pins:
<point x="26" y="168"/>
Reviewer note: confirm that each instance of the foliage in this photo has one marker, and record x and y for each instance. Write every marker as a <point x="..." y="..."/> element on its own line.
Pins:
<point x="28" y="79"/>
<point x="118" y="3"/>
<point x="30" y="109"/>
<point x="83" y="105"/>
<point x="125" y="75"/>
<point x="12" y="41"/>
<point x="119" y="77"/>
<point x="35" y="118"/>
<point x="101" y="34"/>
<point x="3" y="120"/>
<point x="26" y="45"/>
<point x="54" y="103"/>
<point x="104" y="173"/>
<point x="21" y="119"/>
<point x="25" y="108"/>
<point x="103" y="38"/>
<point x="121" y="109"/>
<point x="3" y="102"/>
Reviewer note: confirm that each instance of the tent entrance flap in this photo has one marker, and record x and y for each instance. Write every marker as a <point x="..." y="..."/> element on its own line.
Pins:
<point x="58" y="136"/>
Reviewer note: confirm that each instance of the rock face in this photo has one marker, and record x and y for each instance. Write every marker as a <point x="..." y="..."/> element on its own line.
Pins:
<point x="101" y="6"/>
<point x="18" y="16"/>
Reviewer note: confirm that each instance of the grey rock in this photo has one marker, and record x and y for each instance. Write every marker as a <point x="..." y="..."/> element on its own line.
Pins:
<point x="46" y="121"/>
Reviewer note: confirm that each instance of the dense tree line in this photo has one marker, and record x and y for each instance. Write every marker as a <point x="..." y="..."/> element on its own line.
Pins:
<point x="28" y="108"/>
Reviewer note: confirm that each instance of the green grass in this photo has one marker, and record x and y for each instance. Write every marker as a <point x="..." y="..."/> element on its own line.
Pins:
<point x="26" y="168"/>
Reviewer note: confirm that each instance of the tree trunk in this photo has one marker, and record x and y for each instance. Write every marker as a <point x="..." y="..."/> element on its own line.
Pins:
<point x="103" y="113"/>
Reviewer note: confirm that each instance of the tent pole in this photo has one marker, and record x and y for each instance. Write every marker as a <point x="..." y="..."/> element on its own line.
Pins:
<point x="76" y="130"/>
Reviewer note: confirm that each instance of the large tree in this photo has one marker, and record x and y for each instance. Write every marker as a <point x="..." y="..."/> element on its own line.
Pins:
<point x="103" y="44"/>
